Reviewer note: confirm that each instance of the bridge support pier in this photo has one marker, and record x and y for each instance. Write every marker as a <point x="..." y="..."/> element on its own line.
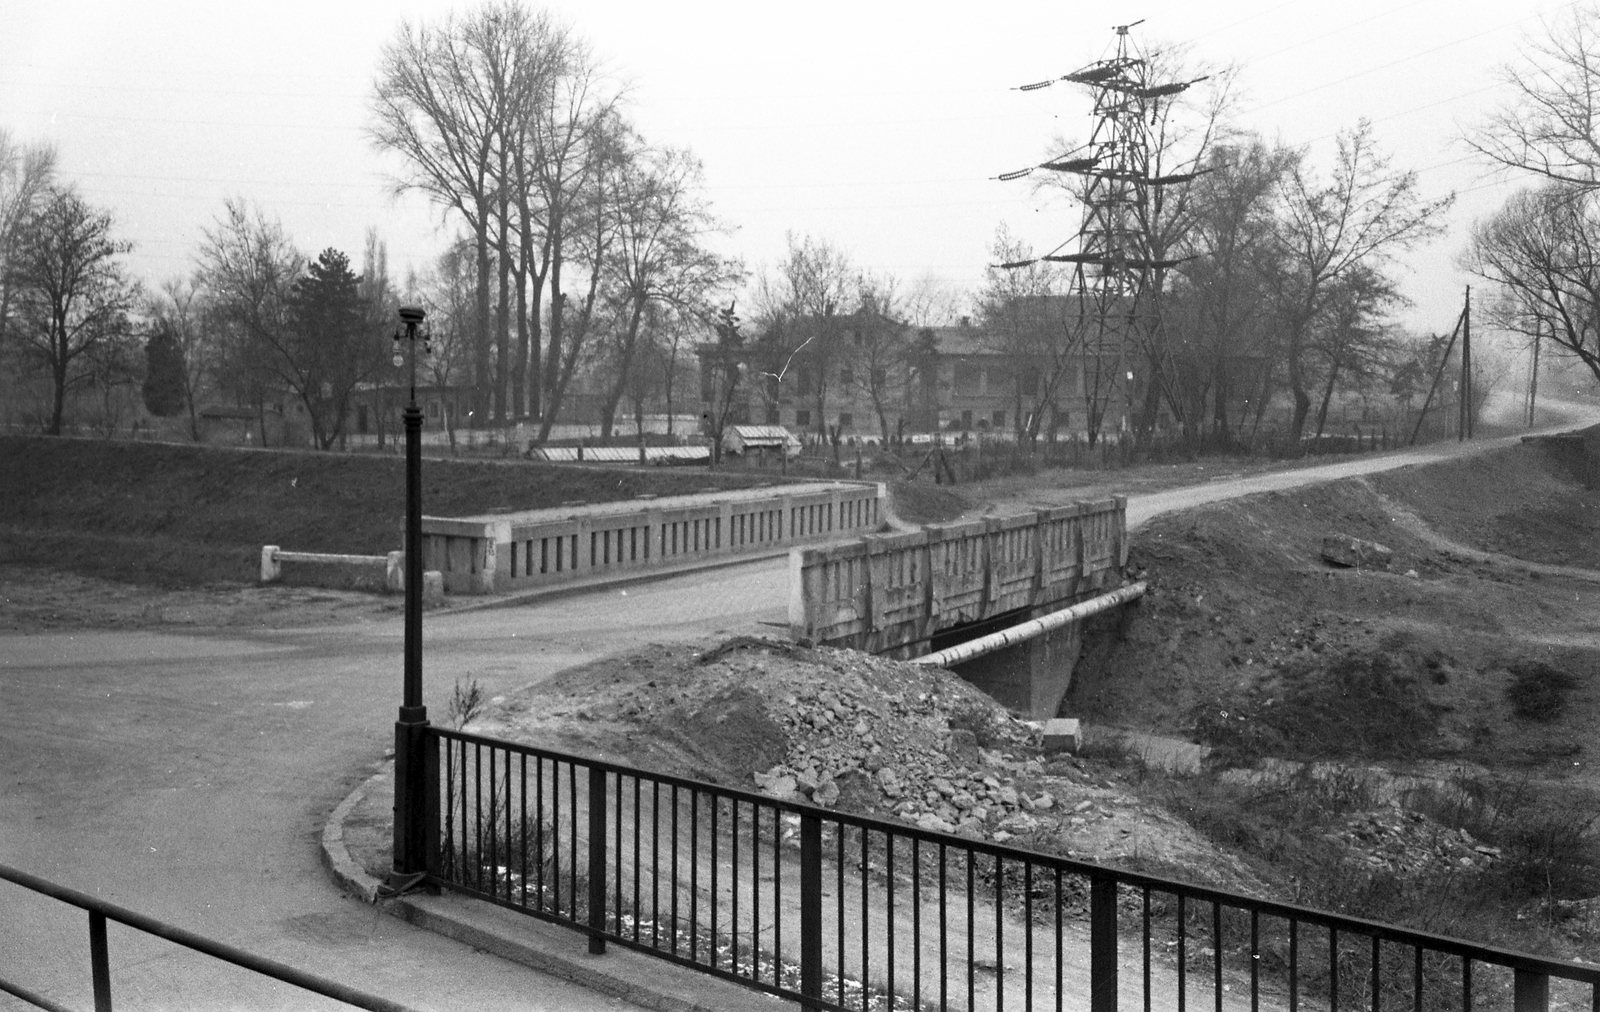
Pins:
<point x="1031" y="678"/>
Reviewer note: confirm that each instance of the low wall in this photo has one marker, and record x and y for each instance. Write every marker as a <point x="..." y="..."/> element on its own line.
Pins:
<point x="892" y="593"/>
<point x="497" y="553"/>
<point x="367" y="572"/>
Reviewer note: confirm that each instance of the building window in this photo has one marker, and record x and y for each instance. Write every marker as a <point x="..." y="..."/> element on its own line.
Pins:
<point x="772" y="415"/>
<point x="880" y="376"/>
<point x="846" y="419"/>
<point x="802" y="418"/>
<point x="999" y="419"/>
<point x="966" y="420"/>
<point x="847" y="376"/>
<point x="433" y="409"/>
<point x="968" y="379"/>
<point x="1029" y="383"/>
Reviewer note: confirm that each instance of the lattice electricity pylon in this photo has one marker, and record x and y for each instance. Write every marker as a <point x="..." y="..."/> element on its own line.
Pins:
<point x="1112" y="266"/>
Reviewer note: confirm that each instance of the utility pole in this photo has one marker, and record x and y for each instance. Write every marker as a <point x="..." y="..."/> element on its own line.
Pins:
<point x="1533" y="374"/>
<point x="1464" y="426"/>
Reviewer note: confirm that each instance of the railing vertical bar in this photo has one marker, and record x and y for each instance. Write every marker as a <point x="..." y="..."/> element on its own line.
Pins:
<point x="638" y="863"/>
<point x="1333" y="969"/>
<point x="694" y="875"/>
<point x="1376" y="972"/>
<point x="755" y="894"/>
<point x="733" y="876"/>
<point x="1255" y="960"/>
<point x="999" y="935"/>
<point x="655" y="859"/>
<point x="777" y="899"/>
<point x="810" y="905"/>
<point x="99" y="961"/>
<point x="597" y="858"/>
<point x="522" y="777"/>
<point x="1294" y="965"/>
<point x="1183" y="952"/>
<point x="1103" y="944"/>
<point x="449" y="870"/>
<point x="1466" y="984"/>
<point x="716" y="807"/>
<point x="674" y="860"/>
<point x="1416" y="979"/>
<point x="505" y="847"/>
<point x="1145" y="921"/>
<point x="888" y="918"/>
<point x="1216" y="950"/>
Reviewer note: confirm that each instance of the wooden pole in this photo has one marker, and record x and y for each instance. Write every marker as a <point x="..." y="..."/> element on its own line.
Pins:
<point x="1465" y="431"/>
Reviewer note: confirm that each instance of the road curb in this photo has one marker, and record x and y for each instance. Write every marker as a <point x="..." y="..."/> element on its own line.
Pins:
<point x="547" y="948"/>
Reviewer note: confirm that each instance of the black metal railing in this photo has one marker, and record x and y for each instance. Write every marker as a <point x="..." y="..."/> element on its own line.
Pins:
<point x="101" y="912"/>
<point x="853" y="913"/>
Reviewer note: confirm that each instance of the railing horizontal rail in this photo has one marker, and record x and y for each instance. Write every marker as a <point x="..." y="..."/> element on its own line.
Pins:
<point x="847" y="911"/>
<point x="100" y="912"/>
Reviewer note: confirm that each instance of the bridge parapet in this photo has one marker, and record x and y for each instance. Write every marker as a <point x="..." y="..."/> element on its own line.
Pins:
<point x="892" y="593"/>
<point x="501" y="552"/>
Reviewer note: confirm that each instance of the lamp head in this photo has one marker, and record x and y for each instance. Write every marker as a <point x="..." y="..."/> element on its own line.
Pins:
<point x="412" y="315"/>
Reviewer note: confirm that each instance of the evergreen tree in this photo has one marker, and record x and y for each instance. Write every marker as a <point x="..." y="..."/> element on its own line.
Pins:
<point x="163" y="373"/>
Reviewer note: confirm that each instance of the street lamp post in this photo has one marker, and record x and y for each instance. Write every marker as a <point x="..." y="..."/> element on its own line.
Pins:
<point x="410" y="774"/>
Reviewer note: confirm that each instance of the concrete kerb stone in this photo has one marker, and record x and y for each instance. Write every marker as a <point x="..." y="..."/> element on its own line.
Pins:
<point x="547" y="948"/>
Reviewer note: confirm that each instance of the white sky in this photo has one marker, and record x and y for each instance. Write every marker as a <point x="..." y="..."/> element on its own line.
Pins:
<point x="879" y="126"/>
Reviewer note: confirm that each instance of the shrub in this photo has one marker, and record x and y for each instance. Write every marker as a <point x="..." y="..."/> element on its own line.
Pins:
<point x="1538" y="691"/>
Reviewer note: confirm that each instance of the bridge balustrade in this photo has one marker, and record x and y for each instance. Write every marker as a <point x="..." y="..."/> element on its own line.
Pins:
<point x="892" y="593"/>
<point x="496" y="553"/>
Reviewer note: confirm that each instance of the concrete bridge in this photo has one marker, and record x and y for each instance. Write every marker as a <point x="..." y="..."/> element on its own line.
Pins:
<point x="904" y="595"/>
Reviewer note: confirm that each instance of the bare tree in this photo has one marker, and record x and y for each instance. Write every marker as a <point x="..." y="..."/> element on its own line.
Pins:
<point x="1031" y="321"/>
<point x="436" y="103"/>
<point x="26" y="174"/>
<point x="1218" y="312"/>
<point x="247" y="269"/>
<point x="1548" y="124"/>
<point x="68" y="288"/>
<point x="802" y="305"/>
<point x="1542" y="252"/>
<point x="448" y="294"/>
<point x="659" y="256"/>
<point x="1364" y="214"/>
<point x="179" y="305"/>
<point x="880" y="343"/>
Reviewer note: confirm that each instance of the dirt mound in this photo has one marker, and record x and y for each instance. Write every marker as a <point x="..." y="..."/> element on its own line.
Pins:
<point x="850" y="730"/>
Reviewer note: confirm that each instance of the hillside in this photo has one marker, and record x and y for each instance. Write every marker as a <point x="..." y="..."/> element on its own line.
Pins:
<point x="173" y="514"/>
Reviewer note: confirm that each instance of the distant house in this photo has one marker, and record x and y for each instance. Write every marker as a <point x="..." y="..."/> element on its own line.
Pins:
<point x="225" y="425"/>
<point x="761" y="439"/>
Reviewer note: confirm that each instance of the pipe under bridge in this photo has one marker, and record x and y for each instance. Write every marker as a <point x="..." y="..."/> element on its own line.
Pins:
<point x="906" y="595"/>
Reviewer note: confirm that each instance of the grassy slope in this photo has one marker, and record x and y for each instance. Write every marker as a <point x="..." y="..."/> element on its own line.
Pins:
<point x="177" y="513"/>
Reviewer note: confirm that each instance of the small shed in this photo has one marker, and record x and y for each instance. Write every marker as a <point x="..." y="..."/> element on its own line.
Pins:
<point x="744" y="439"/>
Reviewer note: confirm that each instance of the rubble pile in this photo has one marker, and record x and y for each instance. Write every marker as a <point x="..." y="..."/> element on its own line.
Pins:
<point x="891" y="735"/>
<point x="1409" y="843"/>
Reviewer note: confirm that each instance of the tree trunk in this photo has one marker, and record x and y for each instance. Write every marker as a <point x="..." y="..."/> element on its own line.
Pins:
<point x="480" y="337"/>
<point x="502" y="321"/>
<point x="608" y="410"/>
<point x="1327" y="396"/>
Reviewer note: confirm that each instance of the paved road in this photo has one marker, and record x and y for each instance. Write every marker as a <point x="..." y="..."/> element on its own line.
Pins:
<point x="186" y="775"/>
